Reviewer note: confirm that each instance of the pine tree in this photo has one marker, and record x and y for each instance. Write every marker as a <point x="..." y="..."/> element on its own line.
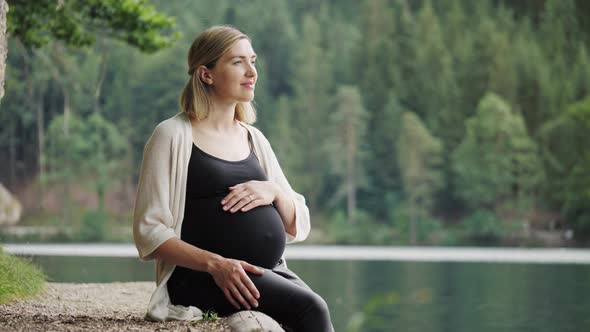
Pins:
<point x="312" y="83"/>
<point x="348" y="123"/>
<point x="420" y="157"/>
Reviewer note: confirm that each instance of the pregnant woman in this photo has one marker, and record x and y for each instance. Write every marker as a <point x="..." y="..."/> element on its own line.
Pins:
<point x="213" y="206"/>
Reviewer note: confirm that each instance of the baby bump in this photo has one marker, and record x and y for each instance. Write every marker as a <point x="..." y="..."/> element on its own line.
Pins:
<point x="256" y="236"/>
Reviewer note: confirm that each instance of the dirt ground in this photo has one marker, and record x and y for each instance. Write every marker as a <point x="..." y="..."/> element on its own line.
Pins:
<point x="92" y="307"/>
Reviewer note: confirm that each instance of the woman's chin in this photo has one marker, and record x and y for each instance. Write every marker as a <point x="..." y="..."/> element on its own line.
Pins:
<point x="247" y="98"/>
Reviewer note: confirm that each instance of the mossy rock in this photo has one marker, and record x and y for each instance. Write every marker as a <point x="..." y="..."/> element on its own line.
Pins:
<point x="10" y="207"/>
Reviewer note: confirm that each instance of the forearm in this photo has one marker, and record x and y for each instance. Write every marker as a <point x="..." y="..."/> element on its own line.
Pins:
<point x="177" y="252"/>
<point x="286" y="208"/>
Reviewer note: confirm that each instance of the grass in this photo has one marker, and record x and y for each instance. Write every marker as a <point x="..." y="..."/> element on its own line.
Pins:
<point x="19" y="278"/>
<point x="210" y="316"/>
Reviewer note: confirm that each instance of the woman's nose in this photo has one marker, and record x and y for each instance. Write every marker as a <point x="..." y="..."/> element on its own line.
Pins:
<point x="251" y="71"/>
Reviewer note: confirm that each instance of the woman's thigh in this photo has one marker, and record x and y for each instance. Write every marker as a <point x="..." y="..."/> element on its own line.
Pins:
<point x="194" y="288"/>
<point x="291" y="302"/>
<point x="282" y="293"/>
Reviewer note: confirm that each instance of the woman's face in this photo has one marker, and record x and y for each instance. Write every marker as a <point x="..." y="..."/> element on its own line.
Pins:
<point x="234" y="76"/>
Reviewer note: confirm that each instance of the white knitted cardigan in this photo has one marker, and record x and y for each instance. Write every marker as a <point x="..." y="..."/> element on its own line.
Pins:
<point x="160" y="199"/>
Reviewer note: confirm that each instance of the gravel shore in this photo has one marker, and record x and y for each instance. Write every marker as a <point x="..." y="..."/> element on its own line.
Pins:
<point x="92" y="307"/>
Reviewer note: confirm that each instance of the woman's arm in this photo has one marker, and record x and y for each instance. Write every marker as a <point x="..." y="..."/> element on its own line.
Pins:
<point x="286" y="208"/>
<point x="153" y="222"/>
<point x="297" y="223"/>
<point x="177" y="252"/>
<point x="229" y="274"/>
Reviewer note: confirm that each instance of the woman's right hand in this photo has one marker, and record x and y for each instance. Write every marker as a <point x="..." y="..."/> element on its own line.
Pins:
<point x="230" y="275"/>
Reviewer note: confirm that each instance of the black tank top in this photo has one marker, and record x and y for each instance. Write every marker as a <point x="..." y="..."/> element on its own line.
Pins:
<point x="256" y="236"/>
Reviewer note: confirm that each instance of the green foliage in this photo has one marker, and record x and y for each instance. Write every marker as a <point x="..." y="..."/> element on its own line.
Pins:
<point x="363" y="231"/>
<point x="376" y="50"/>
<point x="482" y="227"/>
<point x="210" y="316"/>
<point x="497" y="162"/>
<point x="93" y="148"/>
<point x="312" y="102"/>
<point x="382" y="166"/>
<point x="567" y="160"/>
<point x="76" y="23"/>
<point x="435" y="59"/>
<point x="93" y="226"/>
<point x="422" y="229"/>
<point x="19" y="278"/>
<point x="347" y="131"/>
<point x="79" y="150"/>
<point x="420" y="157"/>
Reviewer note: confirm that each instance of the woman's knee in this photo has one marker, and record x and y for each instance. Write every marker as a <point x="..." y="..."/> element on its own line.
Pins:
<point x="316" y="305"/>
<point x="316" y="316"/>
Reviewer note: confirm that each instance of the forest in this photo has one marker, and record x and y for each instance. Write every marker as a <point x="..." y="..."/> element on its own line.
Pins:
<point x="422" y="122"/>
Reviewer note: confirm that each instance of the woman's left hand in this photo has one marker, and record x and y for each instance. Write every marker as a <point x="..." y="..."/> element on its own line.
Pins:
<point x="248" y="195"/>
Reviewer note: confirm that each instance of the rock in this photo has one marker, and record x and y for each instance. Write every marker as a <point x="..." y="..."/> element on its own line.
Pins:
<point x="10" y="208"/>
<point x="252" y="321"/>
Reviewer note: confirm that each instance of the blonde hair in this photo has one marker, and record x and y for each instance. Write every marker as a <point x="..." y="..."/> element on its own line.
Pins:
<point x="207" y="48"/>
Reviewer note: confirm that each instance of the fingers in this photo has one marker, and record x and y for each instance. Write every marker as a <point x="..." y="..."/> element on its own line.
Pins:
<point x="251" y="289"/>
<point x="237" y="286"/>
<point x="230" y="298"/>
<point x="238" y="296"/>
<point x="251" y="268"/>
<point x="247" y="281"/>
<point x="248" y="292"/>
<point x="239" y="200"/>
<point x="238" y="185"/>
<point x="233" y="197"/>
<point x="235" y="190"/>
<point x="250" y="205"/>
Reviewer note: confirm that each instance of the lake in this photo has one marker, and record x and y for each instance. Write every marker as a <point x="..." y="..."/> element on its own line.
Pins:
<point x="407" y="295"/>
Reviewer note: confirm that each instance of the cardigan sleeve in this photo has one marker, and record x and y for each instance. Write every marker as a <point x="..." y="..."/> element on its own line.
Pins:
<point x="152" y="217"/>
<point x="302" y="219"/>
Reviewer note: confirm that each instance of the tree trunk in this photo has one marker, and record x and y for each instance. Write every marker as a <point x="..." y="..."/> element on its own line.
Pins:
<point x="413" y="215"/>
<point x="350" y="170"/>
<point x="12" y="155"/>
<point x="103" y="71"/>
<point x="41" y="147"/>
<point x="67" y="111"/>
<point x="3" y="44"/>
<point x="53" y="64"/>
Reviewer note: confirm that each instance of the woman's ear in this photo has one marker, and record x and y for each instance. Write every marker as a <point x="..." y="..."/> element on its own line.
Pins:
<point x="204" y="75"/>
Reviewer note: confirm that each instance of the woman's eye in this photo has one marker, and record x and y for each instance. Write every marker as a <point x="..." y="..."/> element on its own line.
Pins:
<point x="235" y="63"/>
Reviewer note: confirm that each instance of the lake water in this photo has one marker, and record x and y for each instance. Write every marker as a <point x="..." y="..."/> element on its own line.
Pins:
<point x="408" y="296"/>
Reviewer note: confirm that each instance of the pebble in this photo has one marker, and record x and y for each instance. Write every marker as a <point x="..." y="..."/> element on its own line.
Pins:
<point x="93" y="307"/>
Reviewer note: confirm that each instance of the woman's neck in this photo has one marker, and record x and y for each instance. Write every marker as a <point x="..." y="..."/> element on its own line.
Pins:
<point x="220" y="120"/>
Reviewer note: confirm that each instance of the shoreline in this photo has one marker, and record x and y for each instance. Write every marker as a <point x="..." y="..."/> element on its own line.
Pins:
<point x="333" y="252"/>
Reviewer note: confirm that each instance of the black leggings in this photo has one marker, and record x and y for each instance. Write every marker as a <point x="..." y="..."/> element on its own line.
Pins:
<point x="283" y="296"/>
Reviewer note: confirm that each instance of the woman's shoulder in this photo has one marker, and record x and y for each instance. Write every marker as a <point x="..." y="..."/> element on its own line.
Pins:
<point x="255" y="131"/>
<point x="172" y="127"/>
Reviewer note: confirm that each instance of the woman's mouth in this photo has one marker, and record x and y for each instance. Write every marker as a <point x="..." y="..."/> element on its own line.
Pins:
<point x="248" y="85"/>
